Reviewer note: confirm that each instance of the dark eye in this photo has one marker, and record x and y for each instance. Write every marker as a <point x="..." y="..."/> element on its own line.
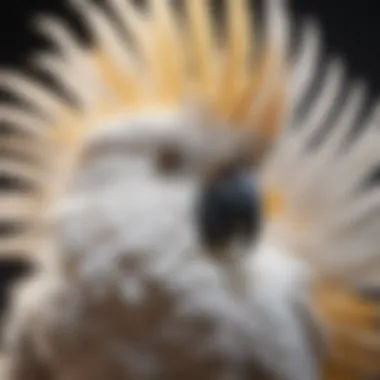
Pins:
<point x="170" y="161"/>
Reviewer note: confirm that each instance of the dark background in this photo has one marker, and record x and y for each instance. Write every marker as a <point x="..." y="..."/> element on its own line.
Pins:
<point x="351" y="29"/>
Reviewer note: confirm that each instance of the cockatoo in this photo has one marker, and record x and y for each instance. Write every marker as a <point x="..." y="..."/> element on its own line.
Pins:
<point x="196" y="201"/>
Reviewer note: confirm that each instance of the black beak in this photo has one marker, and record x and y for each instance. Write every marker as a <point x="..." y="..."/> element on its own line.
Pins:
<point x="229" y="209"/>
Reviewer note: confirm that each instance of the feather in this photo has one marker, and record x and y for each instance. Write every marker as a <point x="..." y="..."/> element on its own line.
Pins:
<point x="238" y="55"/>
<point x="201" y="39"/>
<point x="305" y="64"/>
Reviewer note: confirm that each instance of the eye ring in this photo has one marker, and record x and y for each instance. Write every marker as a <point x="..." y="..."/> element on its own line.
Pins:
<point x="170" y="161"/>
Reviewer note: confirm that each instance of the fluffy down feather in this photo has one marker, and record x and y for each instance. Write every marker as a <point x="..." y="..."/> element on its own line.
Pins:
<point x="126" y="289"/>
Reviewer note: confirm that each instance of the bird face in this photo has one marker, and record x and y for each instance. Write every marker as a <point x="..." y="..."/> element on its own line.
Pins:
<point x="168" y="183"/>
<point x="162" y="213"/>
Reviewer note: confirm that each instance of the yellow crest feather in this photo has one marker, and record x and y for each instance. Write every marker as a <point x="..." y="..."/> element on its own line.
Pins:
<point x="172" y="63"/>
<point x="154" y="58"/>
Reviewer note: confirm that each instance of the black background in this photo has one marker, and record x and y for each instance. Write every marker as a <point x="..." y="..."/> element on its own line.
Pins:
<point x="351" y="29"/>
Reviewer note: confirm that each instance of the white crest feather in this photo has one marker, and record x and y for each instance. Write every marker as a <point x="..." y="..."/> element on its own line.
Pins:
<point x="330" y="222"/>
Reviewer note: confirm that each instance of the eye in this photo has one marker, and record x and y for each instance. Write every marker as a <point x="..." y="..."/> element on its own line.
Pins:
<point x="171" y="161"/>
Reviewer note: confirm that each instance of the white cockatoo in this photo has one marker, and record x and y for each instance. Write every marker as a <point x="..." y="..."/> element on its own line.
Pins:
<point x="196" y="201"/>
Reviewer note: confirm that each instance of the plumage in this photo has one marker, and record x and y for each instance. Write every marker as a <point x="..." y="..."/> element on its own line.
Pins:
<point x="126" y="289"/>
